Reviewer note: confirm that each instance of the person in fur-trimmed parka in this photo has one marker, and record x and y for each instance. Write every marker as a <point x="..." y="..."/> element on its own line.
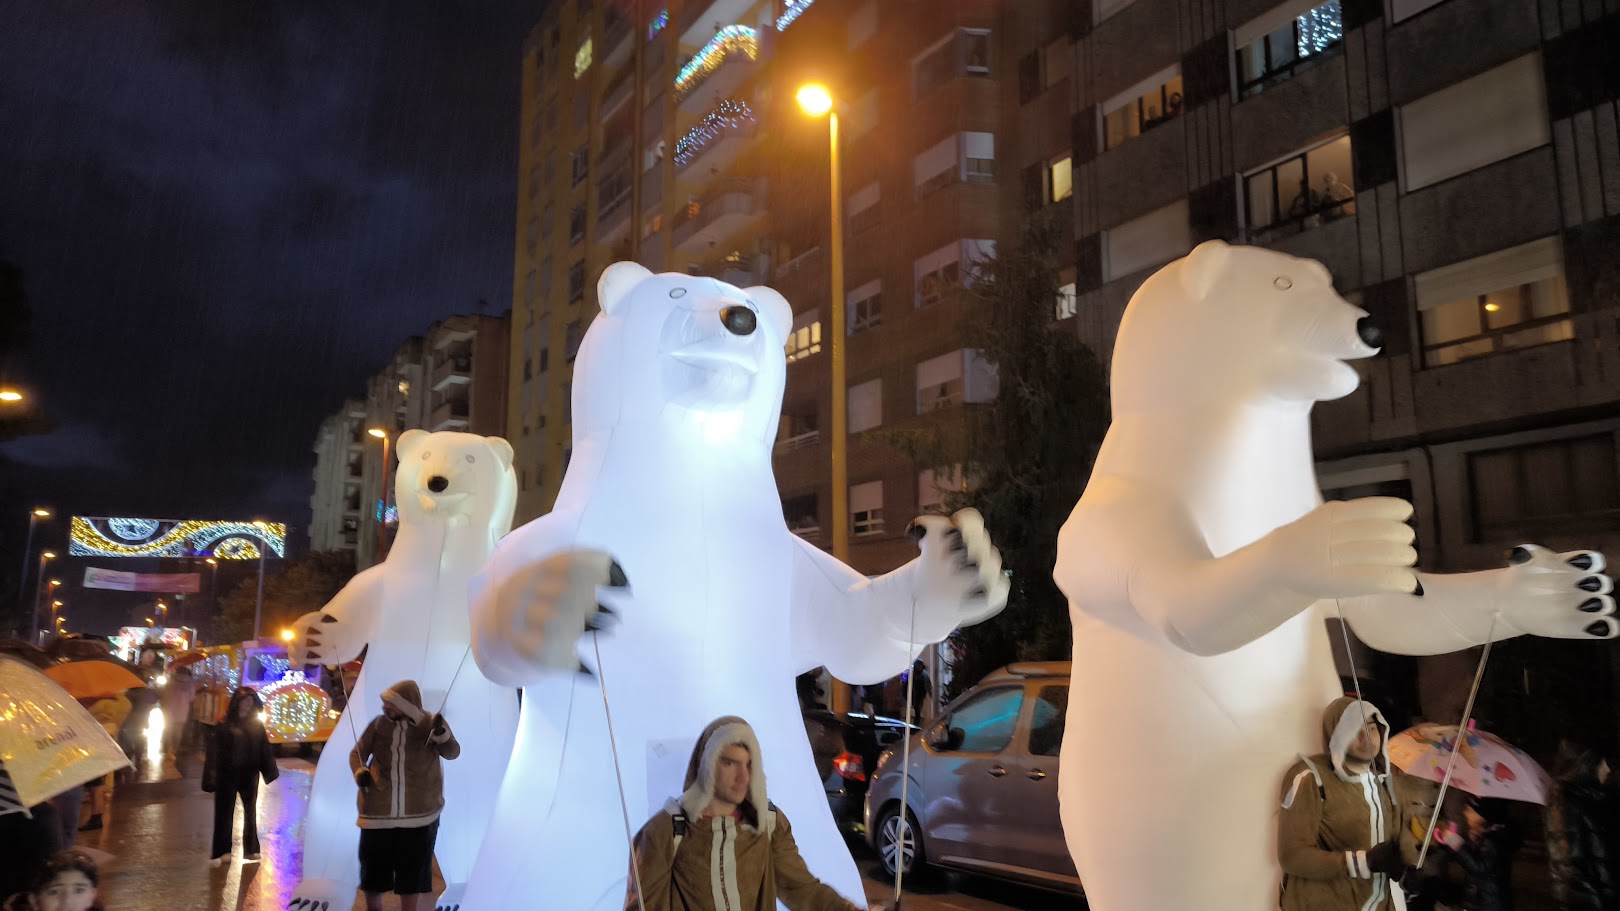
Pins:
<point x="1339" y="835"/>
<point x="722" y="845"/>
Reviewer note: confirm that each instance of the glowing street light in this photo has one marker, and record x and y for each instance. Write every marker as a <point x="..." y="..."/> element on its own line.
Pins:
<point x="10" y="396"/>
<point x="42" y="513"/>
<point x="286" y="635"/>
<point x="817" y="101"/>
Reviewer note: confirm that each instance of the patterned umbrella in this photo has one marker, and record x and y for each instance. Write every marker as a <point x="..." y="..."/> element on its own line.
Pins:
<point x="1487" y="766"/>
<point x="48" y="742"/>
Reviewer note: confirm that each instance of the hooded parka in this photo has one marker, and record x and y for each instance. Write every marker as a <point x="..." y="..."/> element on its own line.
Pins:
<point x="1332" y="816"/>
<point x="688" y="862"/>
<point x="402" y="757"/>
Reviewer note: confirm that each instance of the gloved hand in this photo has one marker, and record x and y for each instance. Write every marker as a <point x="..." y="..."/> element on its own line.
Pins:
<point x="1386" y="858"/>
<point x="363" y="779"/>
<point x="438" y="726"/>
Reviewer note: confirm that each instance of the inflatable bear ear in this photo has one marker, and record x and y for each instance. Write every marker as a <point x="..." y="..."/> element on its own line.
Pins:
<point x="774" y="307"/>
<point x="616" y="283"/>
<point x="1204" y="267"/>
<point x="409" y="442"/>
<point x="503" y="450"/>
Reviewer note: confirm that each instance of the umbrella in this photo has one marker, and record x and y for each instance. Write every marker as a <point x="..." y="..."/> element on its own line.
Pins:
<point x="48" y="742"/>
<point x="93" y="679"/>
<point x="188" y="658"/>
<point x="1487" y="765"/>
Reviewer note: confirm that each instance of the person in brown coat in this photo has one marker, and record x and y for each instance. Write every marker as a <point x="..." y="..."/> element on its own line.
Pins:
<point x="1340" y="835"/>
<point x="397" y="764"/>
<point x="722" y="840"/>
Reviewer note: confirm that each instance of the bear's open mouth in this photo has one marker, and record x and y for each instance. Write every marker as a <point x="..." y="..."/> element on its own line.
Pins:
<point x="708" y="355"/>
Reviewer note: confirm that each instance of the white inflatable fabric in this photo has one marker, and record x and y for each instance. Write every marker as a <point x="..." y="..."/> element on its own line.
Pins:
<point x="677" y="391"/>
<point x="1195" y="564"/>
<point x="456" y="493"/>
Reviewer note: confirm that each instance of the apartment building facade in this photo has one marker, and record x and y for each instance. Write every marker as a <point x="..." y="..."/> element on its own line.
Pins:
<point x="1455" y="164"/>
<point x="335" y="505"/>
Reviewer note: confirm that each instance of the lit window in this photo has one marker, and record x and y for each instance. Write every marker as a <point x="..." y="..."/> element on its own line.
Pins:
<point x="582" y="57"/>
<point x="1507" y="300"/>
<point x="939" y="383"/>
<point x="805" y="339"/>
<point x="1142" y="107"/>
<point x="1280" y="44"/>
<point x="1304" y="190"/>
<point x="1062" y="179"/>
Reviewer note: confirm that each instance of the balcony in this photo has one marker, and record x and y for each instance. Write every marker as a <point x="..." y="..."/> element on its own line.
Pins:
<point x="798" y="441"/>
<point x="700" y="19"/>
<point x="735" y="203"/>
<point x="615" y="40"/>
<point x="613" y="216"/>
<point x="744" y="272"/>
<point x="619" y="92"/>
<point x="452" y="371"/>
<point x="451" y="415"/>
<point x="718" y="70"/>
<point x="718" y="139"/>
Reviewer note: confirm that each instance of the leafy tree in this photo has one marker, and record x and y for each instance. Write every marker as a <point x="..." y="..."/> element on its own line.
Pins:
<point x="294" y="588"/>
<point x="1028" y="456"/>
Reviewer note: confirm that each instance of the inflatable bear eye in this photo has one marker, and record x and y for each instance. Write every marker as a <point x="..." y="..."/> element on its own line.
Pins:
<point x="425" y="455"/>
<point x="1283" y="283"/>
<point x="470" y="459"/>
<point x="677" y="292"/>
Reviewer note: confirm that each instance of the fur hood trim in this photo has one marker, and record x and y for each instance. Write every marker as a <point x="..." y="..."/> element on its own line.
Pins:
<point x="721" y="733"/>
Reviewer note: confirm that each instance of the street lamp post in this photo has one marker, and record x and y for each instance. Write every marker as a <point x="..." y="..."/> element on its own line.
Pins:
<point x="213" y="587"/>
<point x="39" y="592"/>
<point x="382" y="520"/>
<point x="34" y="515"/>
<point x="816" y="101"/>
<point x="258" y="606"/>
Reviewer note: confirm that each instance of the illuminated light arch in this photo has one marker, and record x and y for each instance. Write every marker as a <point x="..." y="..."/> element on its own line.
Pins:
<point x="123" y="537"/>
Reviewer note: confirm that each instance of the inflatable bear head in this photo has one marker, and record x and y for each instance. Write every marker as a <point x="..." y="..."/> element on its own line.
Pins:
<point x="456" y="478"/>
<point x="1231" y="325"/>
<point x="682" y="348"/>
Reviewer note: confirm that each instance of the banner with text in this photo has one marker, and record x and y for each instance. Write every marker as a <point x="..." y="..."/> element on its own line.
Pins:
<point x="142" y="582"/>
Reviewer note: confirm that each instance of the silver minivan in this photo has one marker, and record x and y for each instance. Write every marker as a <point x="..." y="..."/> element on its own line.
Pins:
<point x="982" y="784"/>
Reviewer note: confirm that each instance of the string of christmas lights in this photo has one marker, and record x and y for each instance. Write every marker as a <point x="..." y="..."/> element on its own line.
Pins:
<point x="658" y="23"/>
<point x="794" y="9"/>
<point x="727" y="41"/>
<point x="730" y="114"/>
<point x="293" y="706"/>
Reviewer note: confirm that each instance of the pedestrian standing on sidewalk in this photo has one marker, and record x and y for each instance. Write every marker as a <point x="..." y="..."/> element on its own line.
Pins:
<point x="239" y="754"/>
<point x="921" y="689"/>
<point x="67" y="883"/>
<point x="176" y="702"/>
<point x="397" y="763"/>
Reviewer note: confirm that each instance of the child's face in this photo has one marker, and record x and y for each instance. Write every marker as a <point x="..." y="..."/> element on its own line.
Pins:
<point x="71" y="890"/>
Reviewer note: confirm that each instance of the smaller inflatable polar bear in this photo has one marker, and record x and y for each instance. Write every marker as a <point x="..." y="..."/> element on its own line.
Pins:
<point x="677" y="394"/>
<point x="456" y="493"/>
<point x="1201" y="564"/>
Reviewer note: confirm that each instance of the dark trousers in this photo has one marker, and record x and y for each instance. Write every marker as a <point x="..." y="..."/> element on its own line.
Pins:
<point x="246" y="786"/>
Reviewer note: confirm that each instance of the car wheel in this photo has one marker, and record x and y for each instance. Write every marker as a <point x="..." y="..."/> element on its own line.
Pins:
<point x="899" y="844"/>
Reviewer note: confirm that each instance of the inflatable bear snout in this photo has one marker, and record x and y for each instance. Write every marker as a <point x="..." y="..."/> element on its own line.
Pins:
<point x="438" y="483"/>
<point x="1371" y="335"/>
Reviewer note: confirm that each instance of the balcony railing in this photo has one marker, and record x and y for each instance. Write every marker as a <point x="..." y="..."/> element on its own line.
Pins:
<point x="730" y="45"/>
<point x="798" y="441"/>
<point x="736" y="196"/>
<point x="450" y="414"/>
<point x="731" y="118"/>
<point x="451" y="370"/>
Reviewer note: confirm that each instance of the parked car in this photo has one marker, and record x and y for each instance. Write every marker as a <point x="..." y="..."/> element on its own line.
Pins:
<point x="846" y="747"/>
<point x="981" y="787"/>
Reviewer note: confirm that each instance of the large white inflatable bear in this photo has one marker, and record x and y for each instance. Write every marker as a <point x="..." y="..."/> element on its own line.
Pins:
<point x="677" y="390"/>
<point x="456" y="493"/>
<point x="1201" y="564"/>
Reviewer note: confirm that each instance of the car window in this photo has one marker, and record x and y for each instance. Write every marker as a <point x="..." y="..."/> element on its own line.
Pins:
<point x="987" y="720"/>
<point x="1046" y="720"/>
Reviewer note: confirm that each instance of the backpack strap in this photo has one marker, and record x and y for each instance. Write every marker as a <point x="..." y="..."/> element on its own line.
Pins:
<point x="681" y="826"/>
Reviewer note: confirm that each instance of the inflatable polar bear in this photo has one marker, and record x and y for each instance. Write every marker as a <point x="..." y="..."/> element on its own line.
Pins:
<point x="1199" y="564"/>
<point x="456" y="493"/>
<point x="675" y="406"/>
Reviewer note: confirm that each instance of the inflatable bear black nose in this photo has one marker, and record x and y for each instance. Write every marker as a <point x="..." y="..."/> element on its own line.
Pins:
<point x="739" y="320"/>
<point x="438" y="483"/>
<point x="1371" y="335"/>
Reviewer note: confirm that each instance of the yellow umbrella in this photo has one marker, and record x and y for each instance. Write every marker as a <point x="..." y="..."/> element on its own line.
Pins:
<point x="93" y="679"/>
<point x="48" y="742"/>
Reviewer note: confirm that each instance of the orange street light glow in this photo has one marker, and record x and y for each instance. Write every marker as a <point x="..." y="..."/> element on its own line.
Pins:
<point x="10" y="395"/>
<point x="814" y="99"/>
<point x="378" y="432"/>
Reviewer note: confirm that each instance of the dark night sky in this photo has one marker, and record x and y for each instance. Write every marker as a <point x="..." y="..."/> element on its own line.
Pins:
<point x="227" y="215"/>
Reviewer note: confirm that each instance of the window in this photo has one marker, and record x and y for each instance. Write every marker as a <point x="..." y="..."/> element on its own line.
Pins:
<point x="545" y="279"/>
<point x="576" y="285"/>
<point x="1303" y="190"/>
<point x="865" y="309"/>
<point x="963" y="156"/>
<point x="1141" y="107"/>
<point x="1285" y="41"/>
<point x="863" y="115"/>
<point x="932" y="488"/>
<point x="865" y="405"/>
<point x="1556" y="487"/>
<point x="866" y="509"/>
<point x="986" y="721"/>
<point x="1046" y="720"/>
<point x="551" y="165"/>
<point x="864" y="211"/>
<point x="939" y="382"/>
<point x="1452" y="132"/>
<point x="1041" y="69"/>
<point x="1068" y="303"/>
<point x="967" y="52"/>
<point x="581" y="164"/>
<point x="1151" y="240"/>
<point x="545" y="358"/>
<point x="576" y="224"/>
<point x="979" y="157"/>
<point x="582" y="57"/>
<point x="936" y="273"/>
<point x="1062" y="172"/>
<point x="1510" y="299"/>
<point x="803" y="515"/>
<point x="528" y="370"/>
<point x="805" y="339"/>
<point x="573" y="335"/>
